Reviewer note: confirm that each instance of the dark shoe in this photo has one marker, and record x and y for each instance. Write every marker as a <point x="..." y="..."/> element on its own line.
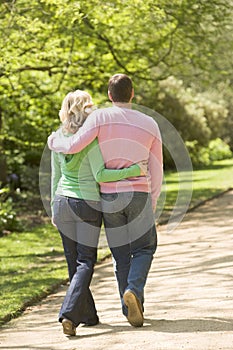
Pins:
<point x="68" y="327"/>
<point x="135" y="313"/>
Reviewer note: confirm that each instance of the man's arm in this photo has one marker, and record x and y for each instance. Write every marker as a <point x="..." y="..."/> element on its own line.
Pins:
<point x="73" y="144"/>
<point x="155" y="166"/>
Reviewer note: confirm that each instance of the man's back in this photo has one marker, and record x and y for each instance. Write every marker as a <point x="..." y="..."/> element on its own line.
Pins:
<point x="127" y="136"/>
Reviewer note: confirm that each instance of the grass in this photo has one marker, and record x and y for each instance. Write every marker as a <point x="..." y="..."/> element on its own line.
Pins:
<point x="212" y="181"/>
<point x="206" y="183"/>
<point x="32" y="262"/>
<point x="32" y="265"/>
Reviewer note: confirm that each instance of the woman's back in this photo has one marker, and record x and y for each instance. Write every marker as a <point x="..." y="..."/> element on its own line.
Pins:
<point x="76" y="175"/>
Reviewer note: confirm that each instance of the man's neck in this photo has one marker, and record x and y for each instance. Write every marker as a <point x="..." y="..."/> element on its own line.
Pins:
<point x="123" y="104"/>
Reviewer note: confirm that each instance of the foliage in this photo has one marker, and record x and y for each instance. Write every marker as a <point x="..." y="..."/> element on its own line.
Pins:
<point x="197" y="116"/>
<point x="225" y="93"/>
<point x="199" y="155"/>
<point x="8" y="218"/>
<point x="219" y="150"/>
<point x="203" y="156"/>
<point x="50" y="47"/>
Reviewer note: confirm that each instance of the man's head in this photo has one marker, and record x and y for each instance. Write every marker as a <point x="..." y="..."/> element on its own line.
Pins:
<point x="120" y="88"/>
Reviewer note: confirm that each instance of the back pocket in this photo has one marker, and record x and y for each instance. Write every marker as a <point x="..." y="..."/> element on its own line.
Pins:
<point x="86" y="211"/>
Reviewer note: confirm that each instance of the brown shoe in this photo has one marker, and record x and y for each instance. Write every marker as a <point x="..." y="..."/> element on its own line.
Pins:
<point x="135" y="313"/>
<point x="68" y="327"/>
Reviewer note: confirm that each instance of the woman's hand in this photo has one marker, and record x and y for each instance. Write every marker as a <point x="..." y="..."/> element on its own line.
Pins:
<point x="144" y="167"/>
<point x="52" y="221"/>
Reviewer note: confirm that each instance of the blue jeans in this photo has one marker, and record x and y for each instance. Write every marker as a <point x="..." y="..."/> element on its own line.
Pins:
<point x="132" y="238"/>
<point x="75" y="220"/>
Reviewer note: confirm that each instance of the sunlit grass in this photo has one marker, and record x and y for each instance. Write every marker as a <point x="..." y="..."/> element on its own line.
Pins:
<point x="32" y="263"/>
<point x="205" y="183"/>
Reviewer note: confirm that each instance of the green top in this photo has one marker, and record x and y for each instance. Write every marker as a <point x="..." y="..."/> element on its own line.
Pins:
<point x="77" y="175"/>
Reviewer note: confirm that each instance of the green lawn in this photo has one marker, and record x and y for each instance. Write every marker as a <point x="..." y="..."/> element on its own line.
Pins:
<point x="212" y="181"/>
<point x="206" y="183"/>
<point x="32" y="262"/>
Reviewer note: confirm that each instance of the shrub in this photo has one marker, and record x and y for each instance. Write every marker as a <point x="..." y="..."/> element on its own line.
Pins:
<point x="219" y="150"/>
<point x="8" y="219"/>
<point x="202" y="156"/>
<point x="199" y="155"/>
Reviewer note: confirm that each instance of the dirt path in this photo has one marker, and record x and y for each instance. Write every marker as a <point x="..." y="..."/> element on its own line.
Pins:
<point x="189" y="296"/>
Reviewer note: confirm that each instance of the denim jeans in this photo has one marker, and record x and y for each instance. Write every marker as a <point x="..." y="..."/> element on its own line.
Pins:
<point x="76" y="220"/>
<point x="132" y="238"/>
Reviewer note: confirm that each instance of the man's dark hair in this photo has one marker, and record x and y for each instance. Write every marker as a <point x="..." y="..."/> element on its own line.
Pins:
<point x="120" y="87"/>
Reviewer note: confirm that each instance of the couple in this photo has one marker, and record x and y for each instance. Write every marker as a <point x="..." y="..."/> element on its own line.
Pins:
<point x="109" y="146"/>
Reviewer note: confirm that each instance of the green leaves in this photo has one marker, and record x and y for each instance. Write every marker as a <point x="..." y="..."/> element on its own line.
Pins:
<point x="88" y="39"/>
<point x="50" y="47"/>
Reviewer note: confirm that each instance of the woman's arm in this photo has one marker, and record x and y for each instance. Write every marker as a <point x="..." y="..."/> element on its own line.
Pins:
<point x="55" y="175"/>
<point x="101" y="174"/>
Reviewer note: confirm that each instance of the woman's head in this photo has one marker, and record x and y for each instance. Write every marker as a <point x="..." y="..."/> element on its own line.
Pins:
<point x="75" y="108"/>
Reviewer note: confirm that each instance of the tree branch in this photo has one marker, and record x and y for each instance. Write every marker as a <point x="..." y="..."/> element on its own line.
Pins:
<point x="107" y="41"/>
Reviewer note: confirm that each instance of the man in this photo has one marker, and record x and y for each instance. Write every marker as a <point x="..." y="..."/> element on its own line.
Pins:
<point x="125" y="136"/>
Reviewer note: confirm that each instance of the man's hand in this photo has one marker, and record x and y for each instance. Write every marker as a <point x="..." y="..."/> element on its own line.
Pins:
<point x="144" y="167"/>
<point x="50" y="140"/>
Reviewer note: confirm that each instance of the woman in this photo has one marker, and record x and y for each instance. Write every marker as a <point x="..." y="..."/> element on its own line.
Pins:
<point x="76" y="210"/>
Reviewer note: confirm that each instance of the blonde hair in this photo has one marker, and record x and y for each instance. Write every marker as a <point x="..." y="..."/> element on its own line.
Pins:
<point x="75" y="108"/>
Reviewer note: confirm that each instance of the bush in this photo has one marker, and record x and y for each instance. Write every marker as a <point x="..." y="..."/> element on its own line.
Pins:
<point x="202" y="156"/>
<point x="199" y="155"/>
<point x="8" y="219"/>
<point x="219" y="150"/>
<point x="197" y="116"/>
<point x="29" y="178"/>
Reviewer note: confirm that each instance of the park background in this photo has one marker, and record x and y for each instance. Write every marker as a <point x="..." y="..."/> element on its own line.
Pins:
<point x="179" y="55"/>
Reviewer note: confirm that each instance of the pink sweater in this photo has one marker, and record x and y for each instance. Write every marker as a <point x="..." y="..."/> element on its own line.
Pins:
<point x="125" y="137"/>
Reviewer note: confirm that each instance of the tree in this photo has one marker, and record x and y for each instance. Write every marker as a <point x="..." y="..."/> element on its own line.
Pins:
<point x="197" y="116"/>
<point x="49" y="47"/>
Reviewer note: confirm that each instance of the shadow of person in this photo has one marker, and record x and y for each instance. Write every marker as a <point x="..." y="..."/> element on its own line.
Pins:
<point x="205" y="324"/>
<point x="210" y="324"/>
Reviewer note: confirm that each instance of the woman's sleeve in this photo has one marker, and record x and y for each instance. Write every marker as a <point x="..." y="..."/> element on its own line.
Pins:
<point x="101" y="174"/>
<point x="55" y="175"/>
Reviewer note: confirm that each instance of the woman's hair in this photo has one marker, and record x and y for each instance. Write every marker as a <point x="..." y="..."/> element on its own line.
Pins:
<point x="75" y="108"/>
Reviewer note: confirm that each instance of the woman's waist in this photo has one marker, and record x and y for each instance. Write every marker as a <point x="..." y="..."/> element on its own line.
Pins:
<point x="79" y="192"/>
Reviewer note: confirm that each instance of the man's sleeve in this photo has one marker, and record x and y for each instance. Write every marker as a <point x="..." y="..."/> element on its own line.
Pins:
<point x="73" y="144"/>
<point x="155" y="166"/>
